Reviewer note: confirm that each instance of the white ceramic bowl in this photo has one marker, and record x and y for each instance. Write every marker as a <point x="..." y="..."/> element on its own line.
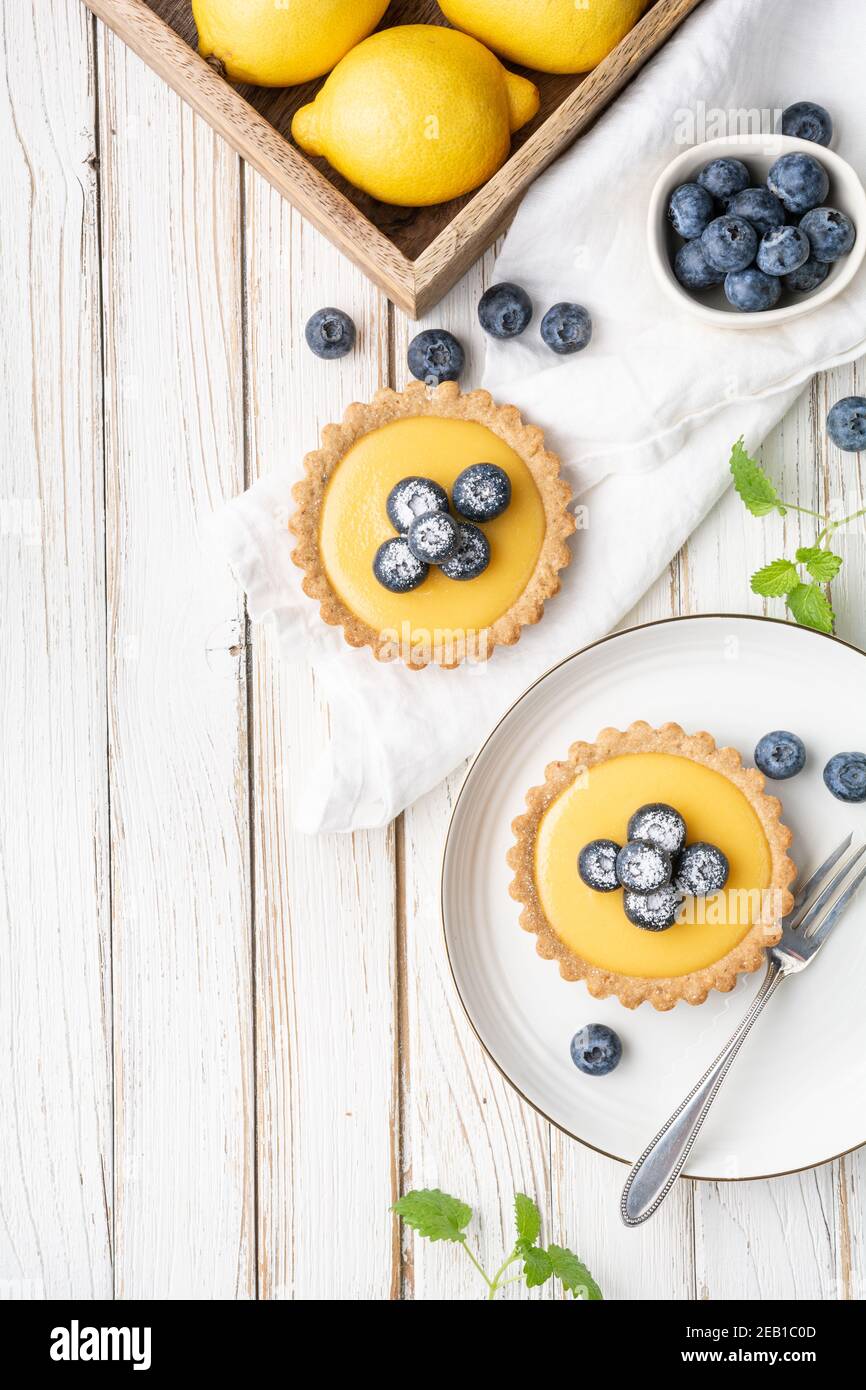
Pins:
<point x="758" y="152"/>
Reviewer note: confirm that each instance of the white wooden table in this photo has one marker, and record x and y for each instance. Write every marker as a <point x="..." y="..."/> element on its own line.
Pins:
<point x="226" y="1048"/>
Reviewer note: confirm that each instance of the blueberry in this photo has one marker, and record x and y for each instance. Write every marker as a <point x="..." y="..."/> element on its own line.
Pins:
<point x="472" y="555"/>
<point x="780" y="754"/>
<point x="845" y="776"/>
<point x="783" y="250"/>
<point x="750" y="290"/>
<point x="830" y="232"/>
<point x="396" y="568"/>
<point x="846" y="424"/>
<point x="481" y="492"/>
<point x="643" y="867"/>
<point x="690" y="208"/>
<point x="433" y="537"/>
<point x="811" y="274"/>
<point x="505" y="310"/>
<point x="330" y="333"/>
<point x="806" y="120"/>
<point x="435" y="356"/>
<point x="692" y="268"/>
<point x="413" y="497"/>
<point x="723" y="178"/>
<point x="566" y="328"/>
<point x="701" y="869"/>
<point x="660" y="825"/>
<point x="596" y="1050"/>
<point x="758" y="206"/>
<point x="596" y="865"/>
<point x="654" y="911"/>
<point x="729" y="243"/>
<point x="798" y="181"/>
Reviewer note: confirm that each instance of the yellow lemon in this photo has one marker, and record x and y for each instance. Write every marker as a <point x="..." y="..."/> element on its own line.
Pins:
<point x="416" y="115"/>
<point x="278" y="43"/>
<point x="551" y="35"/>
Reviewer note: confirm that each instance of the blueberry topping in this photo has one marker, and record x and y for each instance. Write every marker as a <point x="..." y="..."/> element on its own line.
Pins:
<point x="722" y="178"/>
<point x="831" y="233"/>
<point x="413" y="497"/>
<point x="701" y="869"/>
<point x="481" y="492"/>
<point x="845" y="776"/>
<point x="806" y="120"/>
<point x="692" y="268"/>
<point x="690" y="208"/>
<point x="798" y="181"/>
<point x="505" y="310"/>
<point x="758" y="206"/>
<point x="750" y="290"/>
<point x="472" y="555"/>
<point x="433" y="537"/>
<point x="660" y="825"/>
<point x="643" y="867"/>
<point x="654" y="911"/>
<point x="596" y="865"/>
<point x="729" y="243"/>
<point x="596" y="1050"/>
<point x="396" y="568"/>
<point x="435" y="356"/>
<point x="330" y="333"/>
<point x="810" y="275"/>
<point x="780" y="754"/>
<point x="783" y="250"/>
<point x="566" y="328"/>
<point x="846" y="424"/>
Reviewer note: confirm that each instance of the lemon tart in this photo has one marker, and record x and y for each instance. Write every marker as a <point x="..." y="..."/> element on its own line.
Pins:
<point x="596" y="797"/>
<point x="353" y="545"/>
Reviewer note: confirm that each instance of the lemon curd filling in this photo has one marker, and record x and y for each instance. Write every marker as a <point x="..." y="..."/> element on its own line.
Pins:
<point x="354" y="523"/>
<point x="598" y="805"/>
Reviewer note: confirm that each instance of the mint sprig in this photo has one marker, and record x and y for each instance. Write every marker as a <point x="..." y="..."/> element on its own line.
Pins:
<point x="436" y="1215"/>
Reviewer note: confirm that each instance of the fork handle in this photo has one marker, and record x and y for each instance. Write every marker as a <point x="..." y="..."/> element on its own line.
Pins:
<point x="662" y="1161"/>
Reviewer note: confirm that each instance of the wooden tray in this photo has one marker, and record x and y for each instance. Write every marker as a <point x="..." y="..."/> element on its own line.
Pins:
<point x="414" y="254"/>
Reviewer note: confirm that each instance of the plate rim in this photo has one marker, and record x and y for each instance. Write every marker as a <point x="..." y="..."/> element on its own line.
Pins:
<point x="580" y="651"/>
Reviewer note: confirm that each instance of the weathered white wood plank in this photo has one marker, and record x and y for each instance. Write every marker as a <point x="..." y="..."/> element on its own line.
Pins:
<point x="177" y="702"/>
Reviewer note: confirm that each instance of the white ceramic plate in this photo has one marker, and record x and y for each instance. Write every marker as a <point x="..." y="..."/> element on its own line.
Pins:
<point x="797" y="1094"/>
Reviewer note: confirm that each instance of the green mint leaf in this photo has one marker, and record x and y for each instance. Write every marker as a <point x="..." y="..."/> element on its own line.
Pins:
<point x="823" y="565"/>
<point x="573" y="1274"/>
<point x="776" y="579"/>
<point x="754" y="486"/>
<point x="434" y="1214"/>
<point x="811" y="607"/>
<point x="527" y="1220"/>
<point x="537" y="1266"/>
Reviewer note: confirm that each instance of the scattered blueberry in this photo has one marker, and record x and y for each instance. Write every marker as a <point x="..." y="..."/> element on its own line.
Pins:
<point x="780" y="754"/>
<point x="435" y="356"/>
<point x="433" y="537"/>
<point x="758" y="206"/>
<point x="692" y="268"/>
<point x="654" y="911"/>
<point x="660" y="825"/>
<point x="472" y="555"/>
<point x="396" y="568"/>
<point x="783" y="250"/>
<point x="330" y="333"/>
<point x="830" y="232"/>
<point x="481" y="492"/>
<point x="701" y="869"/>
<point x="750" y="290"/>
<point x="798" y="181"/>
<point x="505" y="310"/>
<point x="413" y="497"/>
<point x="846" y="424"/>
<point x="723" y="178"/>
<point x="596" y="865"/>
<point x="596" y="1050"/>
<point x="729" y="243"/>
<point x="690" y="208"/>
<point x="806" y="120"/>
<point x="566" y="328"/>
<point x="810" y="275"/>
<point x="845" y="776"/>
<point x="643" y="867"/>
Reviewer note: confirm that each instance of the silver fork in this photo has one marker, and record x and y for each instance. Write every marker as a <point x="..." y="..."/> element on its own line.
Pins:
<point x="804" y="931"/>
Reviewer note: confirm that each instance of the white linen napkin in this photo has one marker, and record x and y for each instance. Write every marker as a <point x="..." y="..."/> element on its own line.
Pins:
<point x="643" y="420"/>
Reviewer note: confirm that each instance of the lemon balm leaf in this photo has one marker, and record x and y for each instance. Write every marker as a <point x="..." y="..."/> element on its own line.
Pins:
<point x="527" y="1220"/>
<point x="434" y="1214"/>
<point x="776" y="579"/>
<point x="573" y="1274"/>
<point x="822" y="565"/>
<point x="811" y="607"/>
<point x="754" y="486"/>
